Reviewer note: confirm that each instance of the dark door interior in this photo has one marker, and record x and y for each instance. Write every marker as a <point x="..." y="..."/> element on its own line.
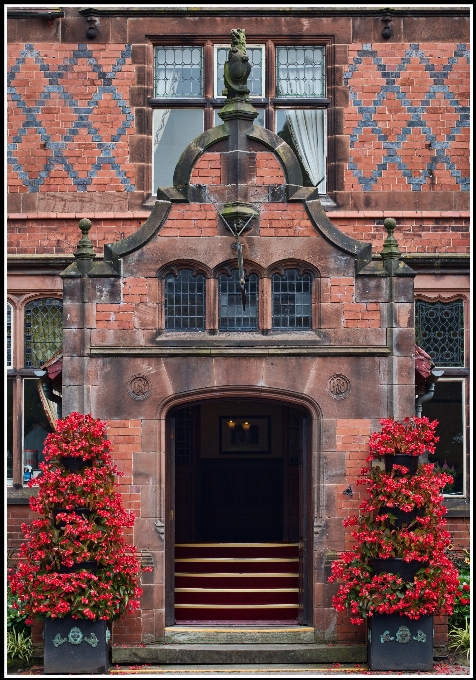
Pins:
<point x="243" y="497"/>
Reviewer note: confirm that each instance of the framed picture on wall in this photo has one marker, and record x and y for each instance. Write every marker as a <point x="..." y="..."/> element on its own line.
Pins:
<point x="245" y="434"/>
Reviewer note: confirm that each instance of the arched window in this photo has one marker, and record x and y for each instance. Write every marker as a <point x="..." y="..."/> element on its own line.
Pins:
<point x="292" y="300"/>
<point x="185" y="301"/>
<point x="231" y="315"/>
<point x="439" y="330"/>
<point x="43" y="330"/>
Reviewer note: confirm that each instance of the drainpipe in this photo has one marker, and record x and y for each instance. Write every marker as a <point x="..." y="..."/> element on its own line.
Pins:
<point x="423" y="398"/>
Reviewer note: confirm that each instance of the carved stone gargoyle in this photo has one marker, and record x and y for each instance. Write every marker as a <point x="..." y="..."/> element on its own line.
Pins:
<point x="237" y="67"/>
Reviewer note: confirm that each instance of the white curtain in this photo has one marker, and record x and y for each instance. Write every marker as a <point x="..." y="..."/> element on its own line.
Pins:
<point x="307" y="129"/>
<point x="307" y="126"/>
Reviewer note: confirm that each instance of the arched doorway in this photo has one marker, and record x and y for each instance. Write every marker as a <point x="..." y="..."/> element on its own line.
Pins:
<point x="239" y="506"/>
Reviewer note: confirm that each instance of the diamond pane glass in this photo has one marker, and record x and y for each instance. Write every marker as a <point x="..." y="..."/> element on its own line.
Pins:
<point x="439" y="330"/>
<point x="9" y="336"/>
<point x="291" y="300"/>
<point x="185" y="302"/>
<point x="43" y="330"/>
<point x="183" y="436"/>
<point x="300" y="72"/>
<point x="232" y="316"/>
<point x="178" y="72"/>
<point x="255" y="79"/>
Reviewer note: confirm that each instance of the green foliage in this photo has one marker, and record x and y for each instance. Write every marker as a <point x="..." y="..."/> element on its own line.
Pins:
<point x="460" y="639"/>
<point x="15" y="617"/>
<point x="19" y="647"/>
<point x="461" y="609"/>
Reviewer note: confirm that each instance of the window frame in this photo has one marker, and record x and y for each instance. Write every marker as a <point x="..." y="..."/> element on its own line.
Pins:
<point x="194" y="274"/>
<point x="432" y="294"/>
<point x="462" y="381"/>
<point x="282" y="274"/>
<point x="209" y="103"/>
<point x="17" y="374"/>
<point x="444" y="301"/>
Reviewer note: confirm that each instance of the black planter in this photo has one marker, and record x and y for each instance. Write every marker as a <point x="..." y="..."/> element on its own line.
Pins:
<point x="88" y="565"/>
<point x="398" y="643"/>
<point x="401" y="517"/>
<point x="395" y="565"/>
<point x="75" y="464"/>
<point x="76" y="646"/>
<point x="85" y="512"/>
<point x="410" y="462"/>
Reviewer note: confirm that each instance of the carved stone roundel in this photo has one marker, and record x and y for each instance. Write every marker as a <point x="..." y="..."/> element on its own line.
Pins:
<point x="139" y="387"/>
<point x="338" y="386"/>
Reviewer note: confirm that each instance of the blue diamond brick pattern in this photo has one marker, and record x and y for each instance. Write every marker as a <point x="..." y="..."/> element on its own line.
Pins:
<point x="33" y="118"/>
<point x="416" y="116"/>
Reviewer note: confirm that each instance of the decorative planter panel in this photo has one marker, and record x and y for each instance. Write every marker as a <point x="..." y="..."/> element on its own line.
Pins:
<point x="76" y="646"/>
<point x="398" y="643"/>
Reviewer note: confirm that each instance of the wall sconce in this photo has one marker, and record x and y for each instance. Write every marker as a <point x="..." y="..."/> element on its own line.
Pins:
<point x="93" y="29"/>
<point x="231" y="424"/>
<point x="348" y="491"/>
<point x="246" y="425"/>
<point x="387" y="30"/>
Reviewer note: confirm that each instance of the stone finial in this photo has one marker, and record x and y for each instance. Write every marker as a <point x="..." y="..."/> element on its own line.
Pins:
<point x="237" y="66"/>
<point x="85" y="250"/>
<point x="84" y="254"/>
<point x="390" y="253"/>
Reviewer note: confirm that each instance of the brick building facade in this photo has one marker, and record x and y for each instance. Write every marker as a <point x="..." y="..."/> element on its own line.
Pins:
<point x="155" y="338"/>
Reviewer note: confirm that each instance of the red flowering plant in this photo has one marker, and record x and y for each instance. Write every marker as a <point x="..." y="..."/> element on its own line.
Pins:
<point x="404" y="519"/>
<point x="414" y="436"/>
<point x="75" y="561"/>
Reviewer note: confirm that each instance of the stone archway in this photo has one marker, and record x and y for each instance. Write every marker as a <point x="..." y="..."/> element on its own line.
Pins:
<point x="253" y="498"/>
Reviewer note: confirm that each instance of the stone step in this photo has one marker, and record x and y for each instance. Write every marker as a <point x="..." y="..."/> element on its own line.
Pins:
<point x="239" y="635"/>
<point x="240" y="654"/>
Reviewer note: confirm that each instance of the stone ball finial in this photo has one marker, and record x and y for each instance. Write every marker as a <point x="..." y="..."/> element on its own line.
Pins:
<point x="390" y="224"/>
<point x="85" y="225"/>
<point x="85" y="248"/>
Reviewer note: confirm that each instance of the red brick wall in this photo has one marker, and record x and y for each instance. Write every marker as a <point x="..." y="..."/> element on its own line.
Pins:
<point x="58" y="233"/>
<point x="80" y="110"/>
<point x="408" y="113"/>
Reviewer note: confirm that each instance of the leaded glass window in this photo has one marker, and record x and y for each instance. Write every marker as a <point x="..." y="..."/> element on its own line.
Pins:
<point x="300" y="71"/>
<point x="292" y="300"/>
<point x="183" y="436"/>
<point x="439" y="330"/>
<point x="9" y="336"/>
<point x="43" y="330"/>
<point x="185" y="301"/>
<point x="255" y="79"/>
<point x="178" y="72"/>
<point x="231" y="315"/>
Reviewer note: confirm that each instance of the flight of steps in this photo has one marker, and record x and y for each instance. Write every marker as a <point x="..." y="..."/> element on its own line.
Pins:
<point x="245" y="583"/>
